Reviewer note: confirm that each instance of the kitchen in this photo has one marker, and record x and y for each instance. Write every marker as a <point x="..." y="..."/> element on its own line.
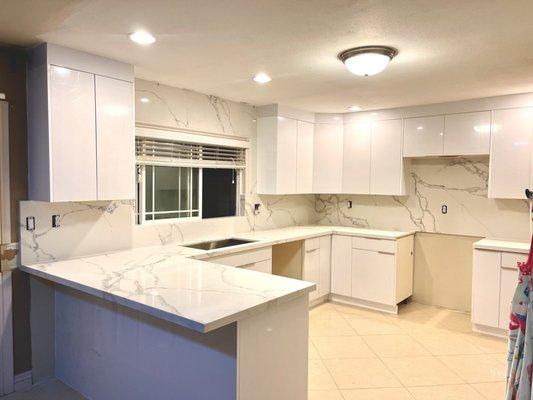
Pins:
<point x="177" y="224"/>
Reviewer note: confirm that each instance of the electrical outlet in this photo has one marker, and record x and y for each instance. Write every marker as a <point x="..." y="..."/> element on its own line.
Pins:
<point x="56" y="221"/>
<point x="256" y="208"/>
<point x="444" y="209"/>
<point x="30" y="223"/>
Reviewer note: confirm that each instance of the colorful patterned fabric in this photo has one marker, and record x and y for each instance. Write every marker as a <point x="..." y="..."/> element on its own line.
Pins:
<point x="520" y="357"/>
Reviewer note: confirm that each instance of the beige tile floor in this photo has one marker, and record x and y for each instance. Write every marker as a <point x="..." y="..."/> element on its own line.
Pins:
<point x="422" y="353"/>
<point x="356" y="354"/>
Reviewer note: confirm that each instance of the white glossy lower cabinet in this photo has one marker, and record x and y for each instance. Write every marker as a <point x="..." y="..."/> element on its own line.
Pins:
<point x="373" y="276"/>
<point x="373" y="273"/>
<point x="317" y="265"/>
<point x="494" y="280"/>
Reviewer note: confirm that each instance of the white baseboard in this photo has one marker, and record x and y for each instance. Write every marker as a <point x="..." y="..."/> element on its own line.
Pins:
<point x="23" y="381"/>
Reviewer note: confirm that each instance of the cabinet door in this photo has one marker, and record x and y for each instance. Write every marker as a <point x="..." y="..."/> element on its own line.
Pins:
<point x="73" y="135"/>
<point x="304" y="158"/>
<point x="311" y="270"/>
<point x="115" y="145"/>
<point x="423" y="136"/>
<point x="486" y="287"/>
<point x="510" y="153"/>
<point x="508" y="282"/>
<point x="386" y="164"/>
<point x="467" y="133"/>
<point x="327" y="166"/>
<point x="356" y="158"/>
<point x="373" y="276"/>
<point x="341" y="265"/>
<point x="286" y="155"/>
<point x="324" y="286"/>
<point x="267" y="128"/>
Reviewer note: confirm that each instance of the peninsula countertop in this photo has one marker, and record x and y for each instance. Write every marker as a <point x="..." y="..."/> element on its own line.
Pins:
<point x="172" y="283"/>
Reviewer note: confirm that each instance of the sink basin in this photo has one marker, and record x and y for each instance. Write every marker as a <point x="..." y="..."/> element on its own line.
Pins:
<point x="218" y="244"/>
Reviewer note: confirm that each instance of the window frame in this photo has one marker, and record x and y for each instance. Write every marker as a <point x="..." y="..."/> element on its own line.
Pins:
<point x="140" y="211"/>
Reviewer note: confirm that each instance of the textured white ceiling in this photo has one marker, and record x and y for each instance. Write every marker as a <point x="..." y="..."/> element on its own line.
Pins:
<point x="449" y="49"/>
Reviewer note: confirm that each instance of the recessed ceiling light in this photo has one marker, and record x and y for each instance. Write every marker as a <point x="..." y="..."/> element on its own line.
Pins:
<point x="355" y="108"/>
<point x="144" y="100"/>
<point x="367" y="60"/>
<point x="262" y="78"/>
<point x="142" y="37"/>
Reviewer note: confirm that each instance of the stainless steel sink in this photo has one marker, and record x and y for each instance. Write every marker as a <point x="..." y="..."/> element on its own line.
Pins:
<point x="218" y="244"/>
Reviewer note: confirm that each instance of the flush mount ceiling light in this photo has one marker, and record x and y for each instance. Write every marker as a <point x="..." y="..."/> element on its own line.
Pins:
<point x="142" y="37"/>
<point x="355" y="108"/>
<point x="262" y="78"/>
<point x="367" y="60"/>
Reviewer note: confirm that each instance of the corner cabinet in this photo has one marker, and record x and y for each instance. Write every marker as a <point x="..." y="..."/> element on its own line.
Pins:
<point x="81" y="134"/>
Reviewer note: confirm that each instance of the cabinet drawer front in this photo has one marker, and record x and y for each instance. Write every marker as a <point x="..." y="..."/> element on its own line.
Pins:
<point x="382" y="245"/>
<point x="312" y="244"/>
<point x="509" y="260"/>
<point x="260" y="266"/>
<point x="243" y="258"/>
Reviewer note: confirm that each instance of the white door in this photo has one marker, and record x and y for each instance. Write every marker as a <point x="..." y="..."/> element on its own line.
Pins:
<point x="304" y="168"/>
<point x="386" y="164"/>
<point x="510" y="153"/>
<point x="423" y="136"/>
<point x="486" y="287"/>
<point x="508" y="282"/>
<point x="467" y="133"/>
<point x="73" y="135"/>
<point x="328" y="143"/>
<point x="115" y="129"/>
<point x="341" y="265"/>
<point x="373" y="276"/>
<point x="286" y="155"/>
<point x="356" y="158"/>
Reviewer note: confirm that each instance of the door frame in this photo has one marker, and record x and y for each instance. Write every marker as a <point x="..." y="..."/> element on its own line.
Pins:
<point x="6" y="314"/>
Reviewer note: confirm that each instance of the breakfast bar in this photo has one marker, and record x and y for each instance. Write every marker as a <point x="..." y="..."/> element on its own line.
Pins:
<point x="153" y="323"/>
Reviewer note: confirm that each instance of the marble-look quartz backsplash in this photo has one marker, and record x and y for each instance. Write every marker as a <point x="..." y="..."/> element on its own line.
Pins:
<point x="459" y="183"/>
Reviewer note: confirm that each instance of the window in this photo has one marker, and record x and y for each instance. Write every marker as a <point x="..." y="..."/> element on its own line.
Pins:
<point x="180" y="180"/>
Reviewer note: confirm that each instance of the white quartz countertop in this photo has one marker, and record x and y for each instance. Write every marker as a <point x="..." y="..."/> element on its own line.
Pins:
<point x="502" y="245"/>
<point x="171" y="283"/>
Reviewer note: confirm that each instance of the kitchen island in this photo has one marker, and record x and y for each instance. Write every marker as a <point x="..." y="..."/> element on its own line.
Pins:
<point x="152" y="322"/>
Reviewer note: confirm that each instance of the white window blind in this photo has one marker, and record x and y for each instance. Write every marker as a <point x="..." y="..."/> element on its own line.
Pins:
<point x="164" y="152"/>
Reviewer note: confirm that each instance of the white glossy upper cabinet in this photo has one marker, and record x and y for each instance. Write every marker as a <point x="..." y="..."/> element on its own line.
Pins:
<point x="115" y="150"/>
<point x="467" y="133"/>
<point x="423" y="136"/>
<point x="356" y="158"/>
<point x="304" y="158"/>
<point x="81" y="131"/>
<point x="72" y="135"/>
<point x="510" y="153"/>
<point x="277" y="139"/>
<point x="386" y="162"/>
<point x="328" y="155"/>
